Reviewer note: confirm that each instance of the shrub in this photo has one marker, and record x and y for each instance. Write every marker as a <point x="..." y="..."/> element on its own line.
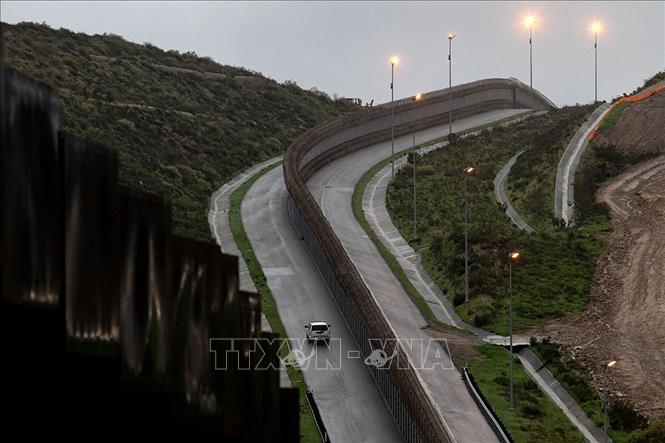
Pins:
<point x="458" y="298"/>
<point x="654" y="433"/>
<point x="622" y="416"/>
<point x="423" y="170"/>
<point x="532" y="410"/>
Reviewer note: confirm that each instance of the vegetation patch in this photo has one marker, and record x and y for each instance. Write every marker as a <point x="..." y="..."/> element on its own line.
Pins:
<point x="613" y="117"/>
<point x="535" y="417"/>
<point x="393" y="264"/>
<point x="181" y="124"/>
<point x="308" y="429"/>
<point x="554" y="274"/>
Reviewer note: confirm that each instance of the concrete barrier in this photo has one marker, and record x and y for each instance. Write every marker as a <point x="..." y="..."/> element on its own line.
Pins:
<point x="494" y="421"/>
<point x="564" y="199"/>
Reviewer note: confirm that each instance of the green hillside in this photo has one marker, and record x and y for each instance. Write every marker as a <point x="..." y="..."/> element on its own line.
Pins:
<point x="551" y="278"/>
<point x="182" y="124"/>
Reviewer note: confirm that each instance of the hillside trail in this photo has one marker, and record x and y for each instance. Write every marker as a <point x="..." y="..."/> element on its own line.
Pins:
<point x="625" y="320"/>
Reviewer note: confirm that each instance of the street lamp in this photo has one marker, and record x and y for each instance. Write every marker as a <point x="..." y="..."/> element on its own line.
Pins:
<point x="530" y="21"/>
<point x="393" y="61"/>
<point x="512" y="256"/>
<point x="595" y="28"/>
<point x="467" y="171"/>
<point x="451" y="36"/>
<point x="413" y="130"/>
<point x="608" y="365"/>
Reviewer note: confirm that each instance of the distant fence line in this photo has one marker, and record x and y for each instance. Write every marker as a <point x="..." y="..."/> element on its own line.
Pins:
<point x="104" y="307"/>
<point x="417" y="418"/>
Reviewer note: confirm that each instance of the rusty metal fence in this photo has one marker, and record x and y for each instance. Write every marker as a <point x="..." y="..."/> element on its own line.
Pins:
<point x="106" y="316"/>
<point x="417" y="418"/>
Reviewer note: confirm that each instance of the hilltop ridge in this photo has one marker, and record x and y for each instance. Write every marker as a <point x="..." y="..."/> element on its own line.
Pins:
<point x="182" y="124"/>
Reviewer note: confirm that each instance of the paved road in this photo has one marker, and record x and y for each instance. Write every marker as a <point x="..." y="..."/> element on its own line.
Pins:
<point x="332" y="187"/>
<point x="502" y="195"/>
<point x="218" y="219"/>
<point x="350" y="405"/>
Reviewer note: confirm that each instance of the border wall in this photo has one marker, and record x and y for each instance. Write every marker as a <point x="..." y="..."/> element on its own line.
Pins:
<point x="106" y="315"/>
<point x="417" y="418"/>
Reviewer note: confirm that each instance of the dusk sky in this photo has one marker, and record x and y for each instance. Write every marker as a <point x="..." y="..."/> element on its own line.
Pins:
<point x="344" y="47"/>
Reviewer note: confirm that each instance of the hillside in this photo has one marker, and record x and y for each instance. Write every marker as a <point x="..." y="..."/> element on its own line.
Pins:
<point x="549" y="257"/>
<point x="182" y="124"/>
<point x="622" y="179"/>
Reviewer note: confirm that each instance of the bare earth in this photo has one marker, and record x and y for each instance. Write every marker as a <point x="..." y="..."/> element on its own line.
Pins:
<point x="640" y="129"/>
<point x="625" y="320"/>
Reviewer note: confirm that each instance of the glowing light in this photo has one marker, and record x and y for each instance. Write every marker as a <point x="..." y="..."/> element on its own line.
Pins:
<point x="418" y="96"/>
<point x="451" y="35"/>
<point x="514" y="255"/>
<point x="530" y="21"/>
<point x="612" y="363"/>
<point x="469" y="169"/>
<point x="394" y="60"/>
<point x="596" y="27"/>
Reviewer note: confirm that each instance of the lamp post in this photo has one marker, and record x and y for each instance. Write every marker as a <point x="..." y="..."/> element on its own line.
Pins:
<point x="393" y="61"/>
<point x="595" y="27"/>
<point x="413" y="130"/>
<point x="467" y="171"/>
<point x="604" y="405"/>
<point x="512" y="256"/>
<point x="531" y="22"/>
<point x="451" y="36"/>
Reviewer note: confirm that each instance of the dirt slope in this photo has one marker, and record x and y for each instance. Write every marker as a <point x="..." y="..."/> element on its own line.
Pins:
<point x="641" y="128"/>
<point x="625" y="320"/>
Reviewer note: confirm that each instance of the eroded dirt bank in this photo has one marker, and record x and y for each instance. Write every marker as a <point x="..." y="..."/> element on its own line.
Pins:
<point x="625" y="320"/>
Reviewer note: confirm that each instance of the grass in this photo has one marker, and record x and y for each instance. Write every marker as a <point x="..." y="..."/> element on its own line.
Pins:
<point x="613" y="117"/>
<point x="553" y="276"/>
<point x="535" y="418"/>
<point x="531" y="182"/>
<point x="308" y="429"/>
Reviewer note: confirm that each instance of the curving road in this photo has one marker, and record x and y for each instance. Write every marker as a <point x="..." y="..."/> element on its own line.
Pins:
<point x="502" y="195"/>
<point x="350" y="405"/>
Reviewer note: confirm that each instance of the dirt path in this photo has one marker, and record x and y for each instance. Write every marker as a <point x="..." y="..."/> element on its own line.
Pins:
<point x="626" y="317"/>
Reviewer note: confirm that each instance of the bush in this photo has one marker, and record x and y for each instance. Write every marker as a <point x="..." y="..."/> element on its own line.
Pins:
<point x="458" y="298"/>
<point x="424" y="170"/>
<point x="481" y="313"/>
<point x="622" y="416"/>
<point x="654" y="433"/>
<point x="531" y="410"/>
